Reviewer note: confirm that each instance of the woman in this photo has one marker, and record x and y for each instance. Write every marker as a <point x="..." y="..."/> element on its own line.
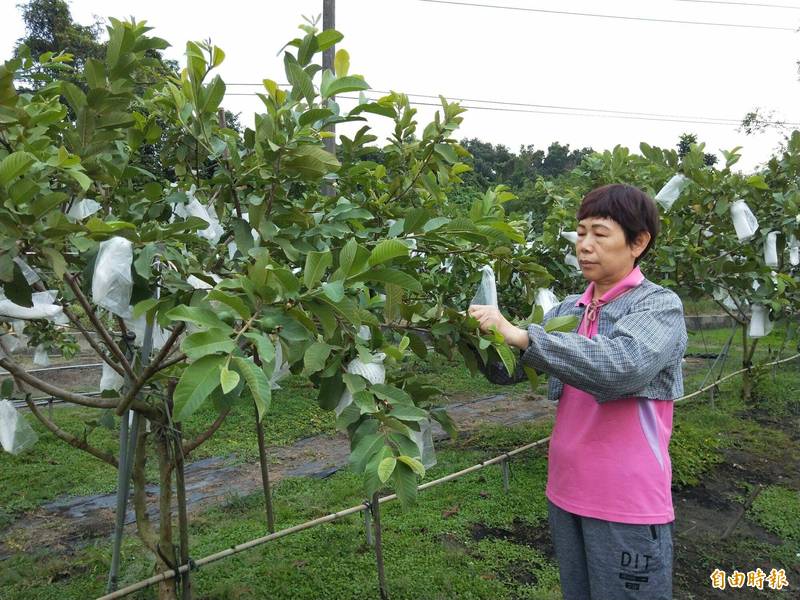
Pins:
<point x="609" y="472"/>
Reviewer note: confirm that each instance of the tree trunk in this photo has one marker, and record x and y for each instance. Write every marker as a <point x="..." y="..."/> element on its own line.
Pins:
<point x="167" y="590"/>
<point x="158" y="542"/>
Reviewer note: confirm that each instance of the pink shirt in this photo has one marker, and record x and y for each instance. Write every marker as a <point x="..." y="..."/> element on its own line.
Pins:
<point x="610" y="461"/>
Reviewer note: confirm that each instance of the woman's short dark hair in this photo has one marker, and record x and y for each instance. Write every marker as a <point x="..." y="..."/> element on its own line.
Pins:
<point x="629" y="206"/>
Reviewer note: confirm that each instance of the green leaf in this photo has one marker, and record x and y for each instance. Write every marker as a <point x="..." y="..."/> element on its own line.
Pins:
<point x="13" y="165"/>
<point x="83" y="180"/>
<point x="198" y="316"/>
<point x="314" y="115"/>
<point x="415" y="465"/>
<point x="57" y="262"/>
<point x="447" y="423"/>
<point x="199" y="379"/>
<point x="564" y="324"/>
<point x="418" y="346"/>
<point x="257" y="381"/>
<point x="300" y="80"/>
<point x="203" y="343"/>
<point x="415" y="219"/>
<point x="311" y="161"/>
<point x="19" y="291"/>
<point x="315" y="357"/>
<point x="264" y="345"/>
<point x="386" y="468"/>
<point x="330" y="391"/>
<point x="507" y="356"/>
<point x="228" y="380"/>
<point x="334" y="290"/>
<point x="435" y="223"/>
<point x="408" y="413"/>
<point x="341" y="62"/>
<point x="215" y="92"/>
<point x="387" y="250"/>
<point x="328" y="38"/>
<point x="392" y="394"/>
<point x="447" y="152"/>
<point x="340" y="85"/>
<point x="316" y="265"/>
<point x="364" y="449"/>
<point x="405" y="482"/>
<point x="391" y="276"/>
<point x="234" y="302"/>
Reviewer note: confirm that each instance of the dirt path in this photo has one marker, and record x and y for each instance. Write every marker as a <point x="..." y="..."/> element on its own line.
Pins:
<point x="66" y="523"/>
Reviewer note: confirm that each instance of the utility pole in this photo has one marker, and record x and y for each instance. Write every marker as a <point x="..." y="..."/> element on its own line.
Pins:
<point x="329" y="22"/>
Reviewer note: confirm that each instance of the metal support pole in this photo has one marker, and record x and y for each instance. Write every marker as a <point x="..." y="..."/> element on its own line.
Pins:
<point x="376" y="515"/>
<point x="368" y="526"/>
<point x="506" y="474"/>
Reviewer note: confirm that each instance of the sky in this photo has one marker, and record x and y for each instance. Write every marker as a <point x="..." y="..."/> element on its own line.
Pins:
<point x="517" y="56"/>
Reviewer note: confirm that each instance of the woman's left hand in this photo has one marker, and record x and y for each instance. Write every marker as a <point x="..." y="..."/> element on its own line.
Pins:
<point x="490" y="316"/>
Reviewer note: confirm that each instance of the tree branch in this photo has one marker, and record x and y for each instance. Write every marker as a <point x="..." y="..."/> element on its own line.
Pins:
<point x="87" y="336"/>
<point x="109" y="341"/>
<point x="22" y="375"/>
<point x="68" y="437"/>
<point x="151" y="369"/>
<point x="200" y="439"/>
<point x="172" y="361"/>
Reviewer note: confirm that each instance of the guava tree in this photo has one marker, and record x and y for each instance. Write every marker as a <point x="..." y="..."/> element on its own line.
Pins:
<point x="239" y="259"/>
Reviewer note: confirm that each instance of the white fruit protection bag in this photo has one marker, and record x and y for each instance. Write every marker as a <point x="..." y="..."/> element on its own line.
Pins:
<point x="744" y="221"/>
<point x="112" y="282"/>
<point x="487" y="290"/>
<point x="16" y="434"/>
<point x="671" y="191"/>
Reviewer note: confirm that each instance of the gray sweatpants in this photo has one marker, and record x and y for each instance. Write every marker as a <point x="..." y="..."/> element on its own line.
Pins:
<point x="603" y="560"/>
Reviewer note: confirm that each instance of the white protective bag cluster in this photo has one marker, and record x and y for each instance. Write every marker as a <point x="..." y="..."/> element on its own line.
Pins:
<point x="43" y="308"/>
<point x="80" y="210"/>
<point x="725" y="299"/>
<point x="110" y="380"/>
<point x="374" y="372"/>
<point x="794" y="250"/>
<point x="570" y="236"/>
<point x="487" y="290"/>
<point x="424" y="440"/>
<point x="40" y="357"/>
<point x="193" y="208"/>
<point x="112" y="282"/>
<point x="760" y="323"/>
<point x="744" y="221"/>
<point x="281" y="369"/>
<point x="671" y="191"/>
<point x="16" y="434"/>
<point x="571" y="260"/>
<point x="546" y="299"/>
<point x="771" y="249"/>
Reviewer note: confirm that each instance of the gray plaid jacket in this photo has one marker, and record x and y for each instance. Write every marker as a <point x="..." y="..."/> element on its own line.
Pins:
<point x="637" y="352"/>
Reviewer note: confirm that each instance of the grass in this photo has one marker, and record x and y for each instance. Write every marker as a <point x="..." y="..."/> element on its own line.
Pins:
<point x="426" y="555"/>
<point x="432" y="550"/>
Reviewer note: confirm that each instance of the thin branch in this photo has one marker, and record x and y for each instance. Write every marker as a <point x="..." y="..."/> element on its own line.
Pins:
<point x="151" y="369"/>
<point x="87" y="336"/>
<point x="172" y="361"/>
<point x="33" y="381"/>
<point x="21" y="374"/>
<point x="109" y="341"/>
<point x="200" y="439"/>
<point x="68" y="437"/>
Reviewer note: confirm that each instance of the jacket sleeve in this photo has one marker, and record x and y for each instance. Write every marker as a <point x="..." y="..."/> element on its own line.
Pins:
<point x="642" y="343"/>
<point x="495" y="371"/>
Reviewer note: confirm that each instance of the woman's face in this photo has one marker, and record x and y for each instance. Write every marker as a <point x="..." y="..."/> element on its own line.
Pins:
<point x="604" y="255"/>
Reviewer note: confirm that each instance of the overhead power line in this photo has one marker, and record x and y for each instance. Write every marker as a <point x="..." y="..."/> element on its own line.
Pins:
<point x="747" y="4"/>
<point x="619" y="17"/>
<point x="527" y="105"/>
<point x="628" y="116"/>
